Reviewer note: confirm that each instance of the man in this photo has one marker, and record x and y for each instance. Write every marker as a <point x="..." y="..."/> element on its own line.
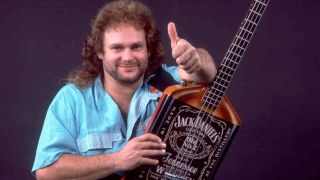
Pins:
<point x="94" y="126"/>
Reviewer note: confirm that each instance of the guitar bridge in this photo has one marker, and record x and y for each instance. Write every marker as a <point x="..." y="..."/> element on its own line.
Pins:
<point x="169" y="176"/>
<point x="176" y="175"/>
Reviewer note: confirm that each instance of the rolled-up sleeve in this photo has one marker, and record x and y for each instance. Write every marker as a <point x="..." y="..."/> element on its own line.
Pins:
<point x="173" y="71"/>
<point x="58" y="133"/>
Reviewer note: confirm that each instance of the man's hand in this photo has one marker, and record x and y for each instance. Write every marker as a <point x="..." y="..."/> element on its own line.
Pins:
<point x="186" y="55"/>
<point x="142" y="150"/>
<point x="195" y="64"/>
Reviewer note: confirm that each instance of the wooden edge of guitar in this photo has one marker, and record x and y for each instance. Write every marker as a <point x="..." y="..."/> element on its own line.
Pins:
<point x="192" y="94"/>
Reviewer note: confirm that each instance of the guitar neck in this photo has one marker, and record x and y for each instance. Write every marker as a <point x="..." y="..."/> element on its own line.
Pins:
<point x="235" y="52"/>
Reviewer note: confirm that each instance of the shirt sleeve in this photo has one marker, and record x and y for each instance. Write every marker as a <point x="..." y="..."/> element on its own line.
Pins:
<point x="59" y="130"/>
<point x="173" y="71"/>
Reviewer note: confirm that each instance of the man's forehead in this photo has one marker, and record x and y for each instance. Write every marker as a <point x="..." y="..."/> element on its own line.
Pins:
<point x="118" y="26"/>
<point x="124" y="34"/>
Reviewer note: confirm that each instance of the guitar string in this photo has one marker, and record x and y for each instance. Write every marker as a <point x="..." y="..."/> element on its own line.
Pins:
<point x="206" y="99"/>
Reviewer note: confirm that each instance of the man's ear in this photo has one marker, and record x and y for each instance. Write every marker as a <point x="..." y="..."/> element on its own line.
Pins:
<point x="100" y="55"/>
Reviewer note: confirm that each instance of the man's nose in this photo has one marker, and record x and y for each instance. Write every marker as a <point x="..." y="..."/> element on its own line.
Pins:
<point x="127" y="54"/>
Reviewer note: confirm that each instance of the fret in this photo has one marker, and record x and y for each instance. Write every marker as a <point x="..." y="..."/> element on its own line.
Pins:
<point x="255" y="12"/>
<point x="241" y="42"/>
<point x="238" y="42"/>
<point x="211" y="100"/>
<point x="242" y="38"/>
<point x="227" y="70"/>
<point x="249" y="32"/>
<point x="262" y="2"/>
<point x="222" y="81"/>
<point x="233" y="53"/>
<point x="214" y="94"/>
<point x="224" y="76"/>
<point x="255" y="6"/>
<point x="238" y="51"/>
<point x="254" y="17"/>
<point x="231" y="56"/>
<point x="220" y="86"/>
<point x="230" y="63"/>
<point x="220" y="93"/>
<point x="245" y="34"/>
<point x="217" y="85"/>
<point x="238" y="46"/>
<point x="258" y="7"/>
<point x="228" y="67"/>
<point x="249" y="26"/>
<point x="228" y="75"/>
<point x="211" y="97"/>
<point x="214" y="104"/>
<point x="251" y="21"/>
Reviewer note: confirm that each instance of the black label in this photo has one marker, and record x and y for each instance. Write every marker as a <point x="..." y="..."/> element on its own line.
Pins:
<point x="195" y="142"/>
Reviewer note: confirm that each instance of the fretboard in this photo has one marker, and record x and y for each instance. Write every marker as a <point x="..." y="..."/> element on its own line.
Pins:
<point x="233" y="56"/>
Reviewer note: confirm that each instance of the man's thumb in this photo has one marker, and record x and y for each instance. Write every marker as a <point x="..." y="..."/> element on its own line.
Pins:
<point x="173" y="35"/>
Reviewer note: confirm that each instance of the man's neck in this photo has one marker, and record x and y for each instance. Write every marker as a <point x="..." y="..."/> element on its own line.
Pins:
<point x="121" y="93"/>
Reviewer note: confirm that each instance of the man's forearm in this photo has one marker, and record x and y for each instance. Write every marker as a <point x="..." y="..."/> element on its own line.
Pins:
<point x="207" y="70"/>
<point x="70" y="166"/>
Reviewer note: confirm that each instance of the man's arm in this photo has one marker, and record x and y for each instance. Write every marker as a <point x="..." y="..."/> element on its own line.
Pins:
<point x="70" y="166"/>
<point x="138" y="151"/>
<point x="195" y="64"/>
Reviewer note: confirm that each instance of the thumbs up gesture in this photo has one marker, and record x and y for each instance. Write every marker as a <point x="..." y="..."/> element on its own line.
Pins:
<point x="195" y="64"/>
<point x="186" y="56"/>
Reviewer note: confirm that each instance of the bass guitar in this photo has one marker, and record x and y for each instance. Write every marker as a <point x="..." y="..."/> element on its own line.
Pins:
<point x="198" y="122"/>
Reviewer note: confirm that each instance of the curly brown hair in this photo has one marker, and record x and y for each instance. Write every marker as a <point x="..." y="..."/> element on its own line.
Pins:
<point x="113" y="13"/>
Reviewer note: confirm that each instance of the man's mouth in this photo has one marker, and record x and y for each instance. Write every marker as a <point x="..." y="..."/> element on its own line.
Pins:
<point x="128" y="65"/>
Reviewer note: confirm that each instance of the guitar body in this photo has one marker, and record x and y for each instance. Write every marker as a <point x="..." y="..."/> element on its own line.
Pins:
<point x="197" y="137"/>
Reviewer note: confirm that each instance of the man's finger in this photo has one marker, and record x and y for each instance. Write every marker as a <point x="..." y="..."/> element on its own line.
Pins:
<point x="173" y="35"/>
<point x="149" y="137"/>
<point x="148" y="161"/>
<point x="151" y="145"/>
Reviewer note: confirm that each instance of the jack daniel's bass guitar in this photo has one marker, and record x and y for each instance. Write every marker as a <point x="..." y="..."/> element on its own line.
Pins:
<point x="198" y="122"/>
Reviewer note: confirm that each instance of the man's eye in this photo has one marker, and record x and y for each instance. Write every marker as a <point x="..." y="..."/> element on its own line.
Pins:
<point x="136" y="47"/>
<point x="116" y="48"/>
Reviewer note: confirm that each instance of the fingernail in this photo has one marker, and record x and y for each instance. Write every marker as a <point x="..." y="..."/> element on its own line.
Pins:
<point x="164" y="145"/>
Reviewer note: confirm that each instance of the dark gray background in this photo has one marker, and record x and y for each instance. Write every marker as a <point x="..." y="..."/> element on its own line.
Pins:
<point x="275" y="89"/>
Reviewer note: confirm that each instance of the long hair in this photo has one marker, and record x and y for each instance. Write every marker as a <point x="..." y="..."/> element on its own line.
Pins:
<point x="114" y="13"/>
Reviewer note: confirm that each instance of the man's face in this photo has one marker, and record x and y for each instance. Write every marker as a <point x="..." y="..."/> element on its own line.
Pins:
<point x="125" y="57"/>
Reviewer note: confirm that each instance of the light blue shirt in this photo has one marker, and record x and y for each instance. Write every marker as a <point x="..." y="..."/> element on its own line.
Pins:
<point x="87" y="121"/>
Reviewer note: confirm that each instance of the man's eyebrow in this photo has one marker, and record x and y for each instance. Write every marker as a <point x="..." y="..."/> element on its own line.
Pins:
<point x="137" y="44"/>
<point x="116" y="45"/>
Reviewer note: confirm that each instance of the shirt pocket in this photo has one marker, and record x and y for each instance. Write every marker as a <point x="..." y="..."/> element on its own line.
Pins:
<point x="97" y="143"/>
